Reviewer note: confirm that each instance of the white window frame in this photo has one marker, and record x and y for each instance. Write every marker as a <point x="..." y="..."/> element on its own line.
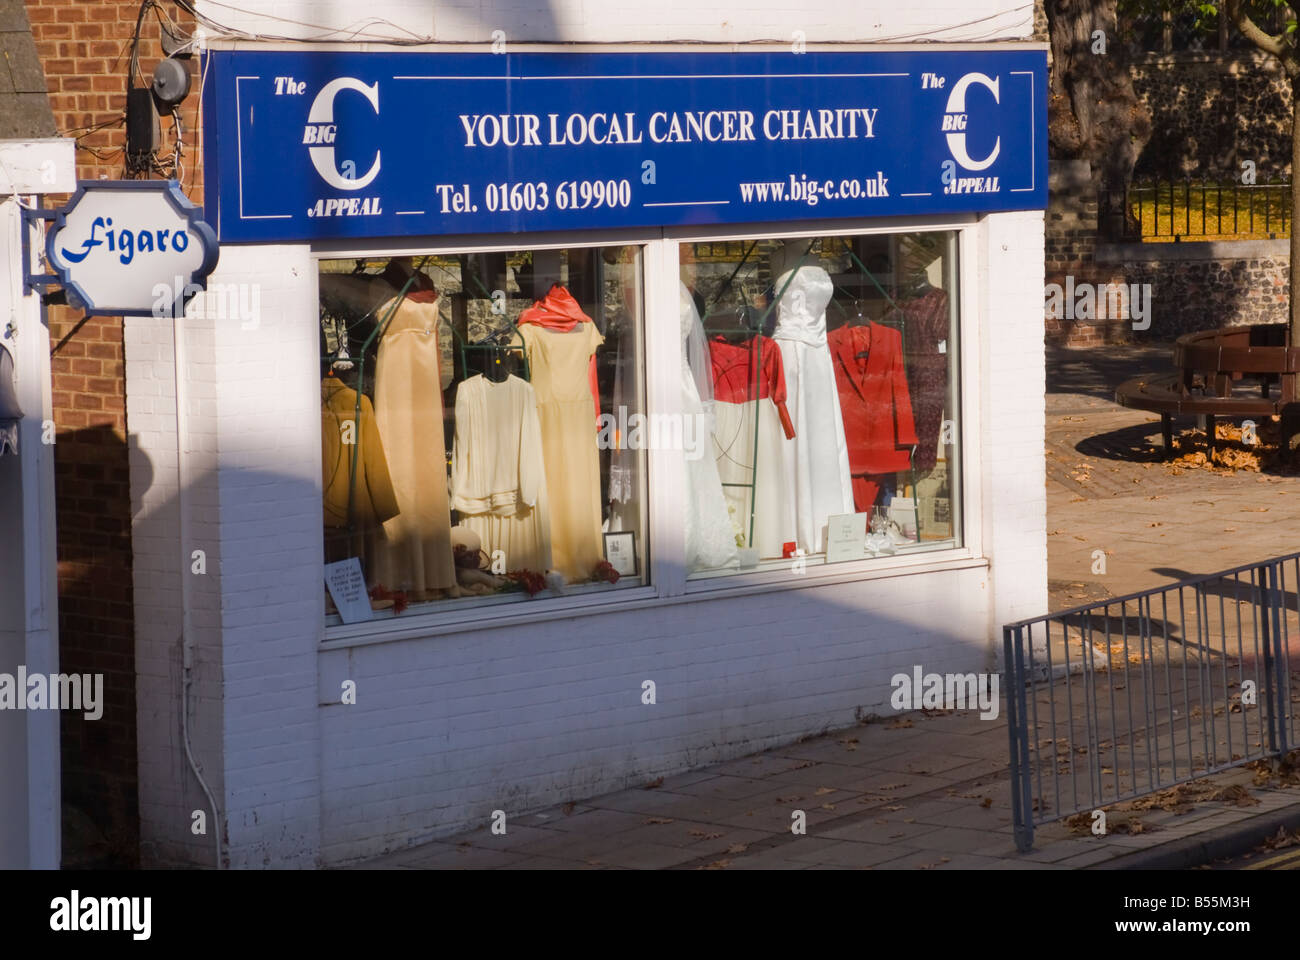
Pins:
<point x="663" y="553"/>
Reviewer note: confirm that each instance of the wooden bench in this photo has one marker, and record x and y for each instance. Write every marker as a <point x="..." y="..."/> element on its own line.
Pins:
<point x="1209" y="365"/>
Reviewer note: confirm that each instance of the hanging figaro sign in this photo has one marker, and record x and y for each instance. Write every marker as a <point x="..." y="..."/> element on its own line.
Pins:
<point x="118" y="242"/>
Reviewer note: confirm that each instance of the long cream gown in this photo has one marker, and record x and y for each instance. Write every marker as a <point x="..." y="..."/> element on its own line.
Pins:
<point x="416" y="554"/>
<point x="498" y="475"/>
<point x="559" y="364"/>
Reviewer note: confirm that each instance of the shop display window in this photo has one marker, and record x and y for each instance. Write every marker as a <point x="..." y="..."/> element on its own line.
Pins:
<point x="827" y="370"/>
<point x="485" y="438"/>
<point x="474" y="412"/>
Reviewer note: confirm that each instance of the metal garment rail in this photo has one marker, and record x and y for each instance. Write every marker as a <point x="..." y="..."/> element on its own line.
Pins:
<point x="1129" y="696"/>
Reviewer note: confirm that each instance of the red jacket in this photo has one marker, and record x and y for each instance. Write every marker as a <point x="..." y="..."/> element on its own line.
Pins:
<point x="874" y="401"/>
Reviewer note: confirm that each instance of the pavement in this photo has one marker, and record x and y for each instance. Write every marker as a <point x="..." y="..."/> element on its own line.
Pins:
<point x="930" y="790"/>
<point x="1109" y="488"/>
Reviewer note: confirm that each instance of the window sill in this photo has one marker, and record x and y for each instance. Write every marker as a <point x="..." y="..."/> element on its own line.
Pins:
<point x="413" y="627"/>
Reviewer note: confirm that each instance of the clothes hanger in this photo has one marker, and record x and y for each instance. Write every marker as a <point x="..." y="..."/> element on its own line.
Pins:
<point x="858" y="321"/>
<point x="498" y="372"/>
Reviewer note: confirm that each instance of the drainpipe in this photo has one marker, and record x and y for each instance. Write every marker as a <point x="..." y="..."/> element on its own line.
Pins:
<point x="187" y="631"/>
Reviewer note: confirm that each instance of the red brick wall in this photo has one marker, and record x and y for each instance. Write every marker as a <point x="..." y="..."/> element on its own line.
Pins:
<point x="85" y="50"/>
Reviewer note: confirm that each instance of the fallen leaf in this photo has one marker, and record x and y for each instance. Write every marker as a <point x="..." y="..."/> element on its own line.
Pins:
<point x="822" y="791"/>
<point x="654" y="784"/>
<point x="657" y="820"/>
<point x="1235" y="794"/>
<point x="568" y="808"/>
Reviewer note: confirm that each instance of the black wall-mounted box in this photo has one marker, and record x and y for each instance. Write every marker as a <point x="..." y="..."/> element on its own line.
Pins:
<point x="143" y="131"/>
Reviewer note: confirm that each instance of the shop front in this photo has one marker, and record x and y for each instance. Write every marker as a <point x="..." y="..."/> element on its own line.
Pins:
<point x="556" y="421"/>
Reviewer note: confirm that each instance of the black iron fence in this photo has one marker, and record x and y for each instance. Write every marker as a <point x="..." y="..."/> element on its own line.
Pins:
<point x="1119" y="699"/>
<point x="1172" y="209"/>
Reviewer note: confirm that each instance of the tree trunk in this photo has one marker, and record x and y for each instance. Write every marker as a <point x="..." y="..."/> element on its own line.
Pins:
<point x="1293" y="338"/>
<point x="1094" y="113"/>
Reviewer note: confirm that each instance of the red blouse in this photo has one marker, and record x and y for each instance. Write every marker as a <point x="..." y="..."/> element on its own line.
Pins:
<point x="733" y="374"/>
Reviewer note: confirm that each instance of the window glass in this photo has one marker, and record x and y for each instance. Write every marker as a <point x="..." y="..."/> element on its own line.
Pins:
<point x="468" y="451"/>
<point x="826" y="369"/>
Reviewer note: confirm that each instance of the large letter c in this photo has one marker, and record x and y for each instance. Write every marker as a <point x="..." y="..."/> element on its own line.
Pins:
<point x="957" y="104"/>
<point x="322" y="111"/>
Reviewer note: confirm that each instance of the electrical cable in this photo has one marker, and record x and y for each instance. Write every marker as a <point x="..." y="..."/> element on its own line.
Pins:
<point x="358" y="30"/>
<point x="203" y="80"/>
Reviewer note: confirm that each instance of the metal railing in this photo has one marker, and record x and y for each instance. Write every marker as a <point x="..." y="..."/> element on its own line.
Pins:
<point x="1186" y="209"/>
<point x="1129" y="696"/>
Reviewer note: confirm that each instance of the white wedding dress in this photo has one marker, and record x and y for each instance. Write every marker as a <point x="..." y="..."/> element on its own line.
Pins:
<point x="817" y="460"/>
<point x="710" y="540"/>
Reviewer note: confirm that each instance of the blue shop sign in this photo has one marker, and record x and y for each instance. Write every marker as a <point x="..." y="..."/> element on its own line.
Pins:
<point x="320" y="144"/>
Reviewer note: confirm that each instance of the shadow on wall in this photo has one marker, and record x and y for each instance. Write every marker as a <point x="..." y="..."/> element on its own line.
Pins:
<point x="1190" y="295"/>
<point x="1134" y="301"/>
<point x="1210" y="113"/>
<point x="96" y="635"/>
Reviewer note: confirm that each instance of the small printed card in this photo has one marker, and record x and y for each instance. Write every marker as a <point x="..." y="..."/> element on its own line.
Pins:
<point x="347" y="587"/>
<point x="846" y="536"/>
<point x="620" y="551"/>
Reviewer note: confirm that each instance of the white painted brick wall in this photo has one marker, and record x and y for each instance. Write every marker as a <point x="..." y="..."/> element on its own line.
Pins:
<point x="267" y="415"/>
<point x="256" y="614"/>
<point x="448" y="729"/>
<point x="1013" y="391"/>
<point x="169" y="792"/>
<point x="593" y="21"/>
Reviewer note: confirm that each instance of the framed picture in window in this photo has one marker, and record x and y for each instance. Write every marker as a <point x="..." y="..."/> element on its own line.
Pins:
<point x="620" y="551"/>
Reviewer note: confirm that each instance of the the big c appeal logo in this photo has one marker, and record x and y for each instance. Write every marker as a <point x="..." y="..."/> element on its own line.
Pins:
<point x="954" y="119"/>
<point x="320" y="129"/>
